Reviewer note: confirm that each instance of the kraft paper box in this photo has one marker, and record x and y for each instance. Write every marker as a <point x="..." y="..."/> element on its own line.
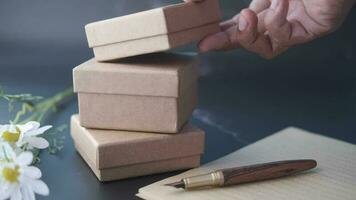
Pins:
<point x="150" y="93"/>
<point x="114" y="155"/>
<point x="153" y="30"/>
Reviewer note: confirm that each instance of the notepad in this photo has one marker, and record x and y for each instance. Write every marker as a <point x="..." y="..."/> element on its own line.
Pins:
<point x="333" y="179"/>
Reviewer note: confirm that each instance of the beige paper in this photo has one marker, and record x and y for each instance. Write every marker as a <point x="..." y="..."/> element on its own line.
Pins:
<point x="333" y="179"/>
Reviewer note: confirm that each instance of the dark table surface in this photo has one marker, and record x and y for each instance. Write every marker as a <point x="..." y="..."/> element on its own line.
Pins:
<point x="243" y="98"/>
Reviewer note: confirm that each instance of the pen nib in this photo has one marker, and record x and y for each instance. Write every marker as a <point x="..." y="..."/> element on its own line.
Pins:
<point x="179" y="184"/>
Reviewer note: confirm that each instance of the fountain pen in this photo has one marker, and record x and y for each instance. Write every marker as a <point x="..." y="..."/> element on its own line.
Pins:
<point x="245" y="174"/>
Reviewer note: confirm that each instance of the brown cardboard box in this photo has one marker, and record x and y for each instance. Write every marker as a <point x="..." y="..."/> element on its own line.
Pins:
<point x="153" y="30"/>
<point x="150" y="93"/>
<point x="114" y="155"/>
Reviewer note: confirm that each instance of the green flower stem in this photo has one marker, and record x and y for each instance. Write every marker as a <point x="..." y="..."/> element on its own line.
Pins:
<point x="35" y="108"/>
<point x="40" y="109"/>
<point x="26" y="107"/>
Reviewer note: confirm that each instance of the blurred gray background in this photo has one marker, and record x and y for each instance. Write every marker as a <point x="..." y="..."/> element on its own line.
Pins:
<point x="243" y="98"/>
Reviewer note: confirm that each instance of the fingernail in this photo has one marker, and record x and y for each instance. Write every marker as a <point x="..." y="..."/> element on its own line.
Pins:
<point x="275" y="4"/>
<point x="242" y="23"/>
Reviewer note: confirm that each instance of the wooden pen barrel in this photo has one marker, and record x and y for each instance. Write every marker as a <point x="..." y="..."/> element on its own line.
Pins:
<point x="260" y="172"/>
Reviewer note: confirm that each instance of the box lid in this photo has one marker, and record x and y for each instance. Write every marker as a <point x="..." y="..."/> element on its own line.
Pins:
<point x="108" y="148"/>
<point x="160" y="74"/>
<point x="154" y="22"/>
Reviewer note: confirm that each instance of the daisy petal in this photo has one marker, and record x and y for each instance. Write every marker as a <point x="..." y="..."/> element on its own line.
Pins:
<point x="16" y="195"/>
<point x="33" y="172"/>
<point x="38" y="142"/>
<point x="29" y="126"/>
<point x="25" y="158"/>
<point x="2" y="129"/>
<point x="6" y="148"/>
<point x="38" y="131"/>
<point x="4" y="191"/>
<point x="21" y="140"/>
<point x="12" y="128"/>
<point x="28" y="193"/>
<point x="4" y="195"/>
<point x="39" y="187"/>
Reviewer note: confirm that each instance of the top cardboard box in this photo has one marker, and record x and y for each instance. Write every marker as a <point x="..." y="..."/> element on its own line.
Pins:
<point x="153" y="30"/>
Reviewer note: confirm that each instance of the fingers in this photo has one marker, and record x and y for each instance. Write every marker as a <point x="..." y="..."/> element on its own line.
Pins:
<point x="276" y="23"/>
<point x="249" y="37"/>
<point x="214" y="42"/>
<point x="247" y="27"/>
<point x="281" y="31"/>
<point x="220" y="41"/>
<point x="244" y="33"/>
<point x="267" y="33"/>
<point x="261" y="24"/>
<point x="259" y="5"/>
<point x="229" y="23"/>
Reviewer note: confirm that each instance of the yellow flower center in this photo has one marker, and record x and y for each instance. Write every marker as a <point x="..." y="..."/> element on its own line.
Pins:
<point x="11" y="174"/>
<point x="11" y="137"/>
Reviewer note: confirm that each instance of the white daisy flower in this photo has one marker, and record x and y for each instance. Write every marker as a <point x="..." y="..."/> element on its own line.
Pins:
<point x="19" y="180"/>
<point x="5" y="152"/>
<point x="24" y="136"/>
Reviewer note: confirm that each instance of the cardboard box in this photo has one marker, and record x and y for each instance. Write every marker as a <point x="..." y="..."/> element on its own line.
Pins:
<point x="153" y="30"/>
<point x="114" y="155"/>
<point x="150" y="93"/>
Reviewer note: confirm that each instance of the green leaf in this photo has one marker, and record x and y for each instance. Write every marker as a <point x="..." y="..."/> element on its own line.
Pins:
<point x="56" y="139"/>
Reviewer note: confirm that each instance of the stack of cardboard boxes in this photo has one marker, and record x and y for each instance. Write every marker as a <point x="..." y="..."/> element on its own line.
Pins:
<point x="133" y="111"/>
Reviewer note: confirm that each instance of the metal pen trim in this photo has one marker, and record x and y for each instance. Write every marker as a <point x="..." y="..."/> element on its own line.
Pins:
<point x="212" y="179"/>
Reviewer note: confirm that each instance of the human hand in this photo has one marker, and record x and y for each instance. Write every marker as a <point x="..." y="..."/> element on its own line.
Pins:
<point x="270" y="27"/>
